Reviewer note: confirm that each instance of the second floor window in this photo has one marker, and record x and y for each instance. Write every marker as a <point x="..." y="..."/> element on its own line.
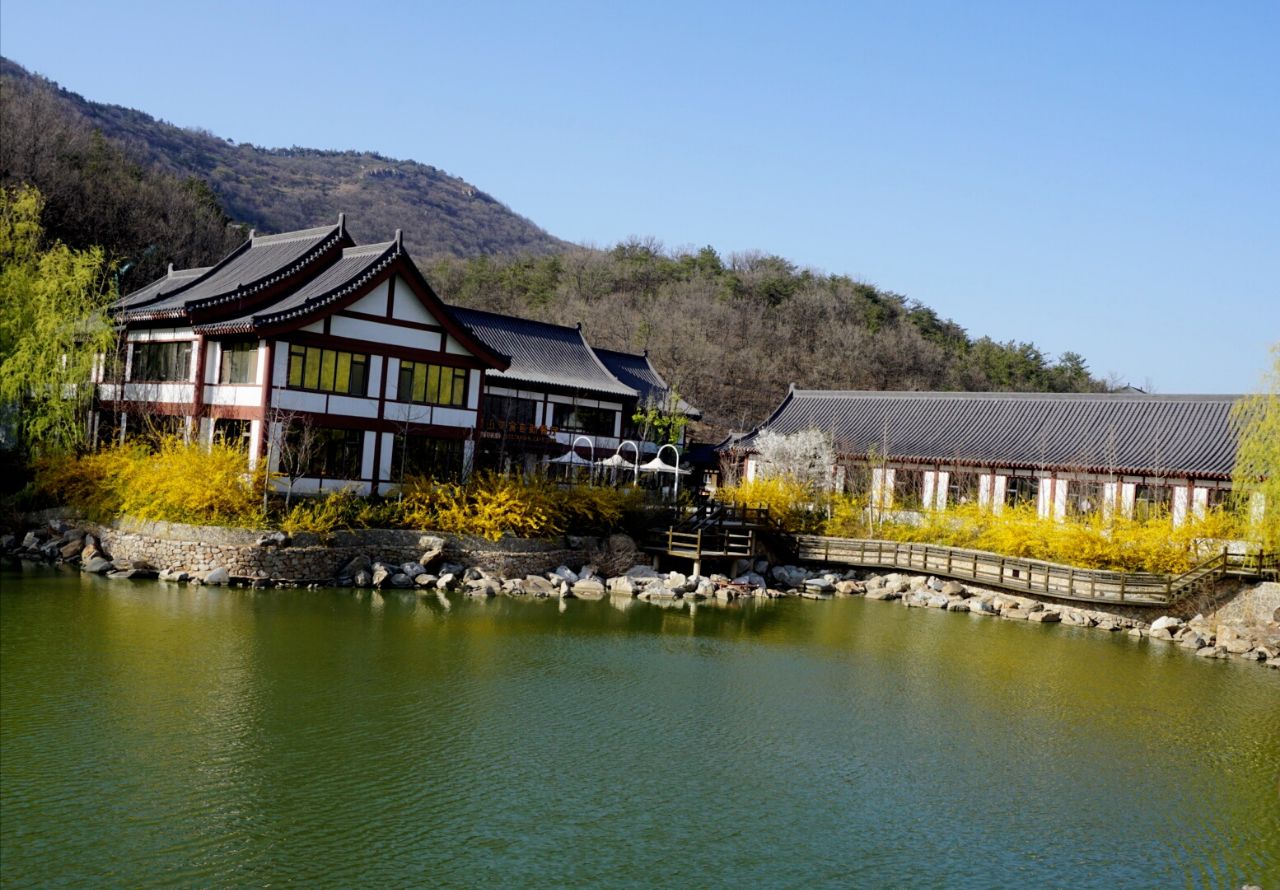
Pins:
<point x="327" y="370"/>
<point x="432" y="384"/>
<point x="581" y="419"/>
<point x="239" y="363"/>
<point x="162" y="362"/>
<point x="508" y="410"/>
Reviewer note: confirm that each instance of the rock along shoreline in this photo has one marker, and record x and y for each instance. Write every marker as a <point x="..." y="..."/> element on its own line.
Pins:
<point x="408" y="563"/>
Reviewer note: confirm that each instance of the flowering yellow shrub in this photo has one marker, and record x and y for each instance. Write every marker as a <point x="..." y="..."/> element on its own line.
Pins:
<point x="178" y="482"/>
<point x="1120" y="543"/>
<point x="790" y="503"/>
<point x="175" y="483"/>
<point x="339" y="510"/>
<point x="491" y="506"/>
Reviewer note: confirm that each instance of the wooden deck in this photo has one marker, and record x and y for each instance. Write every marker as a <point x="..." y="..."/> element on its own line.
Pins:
<point x="1034" y="575"/>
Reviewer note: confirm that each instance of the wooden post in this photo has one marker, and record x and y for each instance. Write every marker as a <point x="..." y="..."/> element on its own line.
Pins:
<point x="1123" y="575"/>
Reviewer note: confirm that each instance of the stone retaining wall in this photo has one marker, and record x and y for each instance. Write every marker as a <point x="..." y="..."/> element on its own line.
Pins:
<point x="250" y="553"/>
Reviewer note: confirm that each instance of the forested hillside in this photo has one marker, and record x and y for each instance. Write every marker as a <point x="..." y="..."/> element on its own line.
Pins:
<point x="279" y="189"/>
<point x="729" y="332"/>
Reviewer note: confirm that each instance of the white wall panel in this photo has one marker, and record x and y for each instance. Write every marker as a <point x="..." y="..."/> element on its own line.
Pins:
<point x="453" y="417"/>
<point x="179" y="393"/>
<point x="373" y="332"/>
<point x="372" y="303"/>
<point x="294" y="400"/>
<point x="408" y="307"/>
<point x="241" y="395"/>
<point x="353" y="407"/>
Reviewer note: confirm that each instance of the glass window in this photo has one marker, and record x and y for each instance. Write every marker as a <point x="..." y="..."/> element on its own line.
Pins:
<point x="328" y="370"/>
<point x="1021" y="490"/>
<point x="1085" y="497"/>
<point x="1152" y="501"/>
<point x="509" y="410"/>
<point x="239" y="363"/>
<point x="580" y="419"/>
<point x="962" y="488"/>
<point x="232" y="432"/>
<point x="322" y="453"/>
<point x="432" y="384"/>
<point x="908" y="489"/>
<point x="162" y="362"/>
<point x="422" y="456"/>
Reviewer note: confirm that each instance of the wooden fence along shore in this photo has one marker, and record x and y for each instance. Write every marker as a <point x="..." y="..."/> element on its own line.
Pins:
<point x="726" y="532"/>
<point x="1035" y="575"/>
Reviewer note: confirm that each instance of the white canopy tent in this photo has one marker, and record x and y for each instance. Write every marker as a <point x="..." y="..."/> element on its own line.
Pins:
<point x="568" y="459"/>
<point x="658" y="465"/>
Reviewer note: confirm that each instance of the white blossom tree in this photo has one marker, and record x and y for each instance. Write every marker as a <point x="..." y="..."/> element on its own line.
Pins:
<point x="807" y="456"/>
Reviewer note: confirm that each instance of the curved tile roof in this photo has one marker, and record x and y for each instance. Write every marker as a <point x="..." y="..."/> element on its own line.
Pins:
<point x="174" y="280"/>
<point x="637" y="372"/>
<point x="549" y="354"/>
<point x="1156" y="435"/>
<point x="254" y="265"/>
<point x="353" y="268"/>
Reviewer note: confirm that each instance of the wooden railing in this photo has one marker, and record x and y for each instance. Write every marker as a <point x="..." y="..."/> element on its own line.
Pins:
<point x="1033" y="575"/>
<point x="713" y="542"/>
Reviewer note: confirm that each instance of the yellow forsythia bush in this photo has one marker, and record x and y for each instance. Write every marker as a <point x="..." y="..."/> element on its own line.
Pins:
<point x="790" y="503"/>
<point x="1120" y="543"/>
<point x="176" y="482"/>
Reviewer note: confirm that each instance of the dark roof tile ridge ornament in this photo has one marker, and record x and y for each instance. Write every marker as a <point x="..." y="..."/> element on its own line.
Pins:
<point x="390" y="251"/>
<point x="298" y="235"/>
<point x="242" y="291"/>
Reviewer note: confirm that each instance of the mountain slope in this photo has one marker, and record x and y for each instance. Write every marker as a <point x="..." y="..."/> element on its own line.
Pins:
<point x="277" y="190"/>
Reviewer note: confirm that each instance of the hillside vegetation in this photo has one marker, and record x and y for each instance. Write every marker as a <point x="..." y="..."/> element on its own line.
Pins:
<point x="281" y="189"/>
<point x="729" y="333"/>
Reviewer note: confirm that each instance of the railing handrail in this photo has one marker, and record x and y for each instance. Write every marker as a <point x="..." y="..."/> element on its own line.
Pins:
<point x="1008" y="571"/>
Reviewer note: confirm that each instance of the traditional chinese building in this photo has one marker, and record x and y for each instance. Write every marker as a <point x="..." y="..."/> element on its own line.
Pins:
<point x="558" y="392"/>
<point x="339" y="365"/>
<point x="335" y="362"/>
<point x="1066" y="453"/>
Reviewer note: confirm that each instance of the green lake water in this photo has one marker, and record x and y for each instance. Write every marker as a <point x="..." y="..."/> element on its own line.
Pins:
<point x="154" y="735"/>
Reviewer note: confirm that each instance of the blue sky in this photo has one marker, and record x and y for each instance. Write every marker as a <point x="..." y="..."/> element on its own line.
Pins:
<point x="1096" y="177"/>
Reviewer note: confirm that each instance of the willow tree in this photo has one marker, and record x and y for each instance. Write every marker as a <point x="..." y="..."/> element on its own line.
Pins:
<point x="1256" y="476"/>
<point x="53" y="327"/>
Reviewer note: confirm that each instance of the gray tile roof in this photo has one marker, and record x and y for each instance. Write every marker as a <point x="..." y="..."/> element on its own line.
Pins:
<point x="548" y="354"/>
<point x="254" y="265"/>
<point x="354" y="267"/>
<point x="637" y="372"/>
<point x="1134" y="433"/>
<point x="162" y="287"/>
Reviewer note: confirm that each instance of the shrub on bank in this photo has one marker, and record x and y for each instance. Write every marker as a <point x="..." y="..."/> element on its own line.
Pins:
<point x="1119" y="543"/>
<point x="175" y="482"/>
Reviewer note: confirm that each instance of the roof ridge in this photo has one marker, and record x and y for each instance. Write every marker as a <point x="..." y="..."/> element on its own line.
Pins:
<point x="297" y="235"/>
<point x="600" y="363"/>
<point x="1012" y="396"/>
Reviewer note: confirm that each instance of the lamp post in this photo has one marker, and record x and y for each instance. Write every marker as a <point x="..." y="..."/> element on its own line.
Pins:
<point x="676" y="473"/>
<point x="573" y="449"/>
<point x="635" y="479"/>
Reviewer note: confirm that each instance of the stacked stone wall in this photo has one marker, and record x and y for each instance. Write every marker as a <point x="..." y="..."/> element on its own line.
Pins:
<point x="261" y="554"/>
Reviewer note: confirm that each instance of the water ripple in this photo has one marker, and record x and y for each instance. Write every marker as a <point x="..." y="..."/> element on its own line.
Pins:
<point x="161" y="736"/>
